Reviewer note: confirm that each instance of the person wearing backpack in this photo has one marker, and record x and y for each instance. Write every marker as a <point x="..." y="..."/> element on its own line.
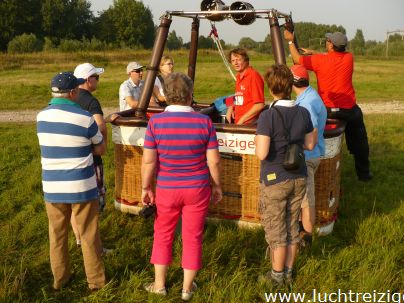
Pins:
<point x="282" y="186"/>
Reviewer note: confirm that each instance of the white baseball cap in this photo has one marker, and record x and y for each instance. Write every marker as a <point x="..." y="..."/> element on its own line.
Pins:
<point x="86" y="70"/>
<point x="133" y="66"/>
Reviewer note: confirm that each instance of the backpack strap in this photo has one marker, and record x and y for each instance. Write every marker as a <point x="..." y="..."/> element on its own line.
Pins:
<point x="283" y="123"/>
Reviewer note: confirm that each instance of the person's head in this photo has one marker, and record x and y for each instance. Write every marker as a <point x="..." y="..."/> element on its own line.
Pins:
<point x="178" y="89"/>
<point x="300" y="76"/>
<point x="66" y="85"/>
<point x="135" y="71"/>
<point x="239" y="59"/>
<point x="90" y="73"/>
<point x="166" y="65"/>
<point x="336" y="41"/>
<point x="279" y="79"/>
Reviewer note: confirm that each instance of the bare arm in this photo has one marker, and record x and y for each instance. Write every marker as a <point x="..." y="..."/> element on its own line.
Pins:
<point x="99" y="119"/>
<point x="262" y="145"/>
<point x="292" y="47"/>
<point x="310" y="140"/>
<point x="132" y="102"/>
<point x="230" y="114"/>
<point x="156" y="93"/>
<point x="99" y="149"/>
<point x="149" y="163"/>
<point x="213" y="160"/>
<point x="253" y="111"/>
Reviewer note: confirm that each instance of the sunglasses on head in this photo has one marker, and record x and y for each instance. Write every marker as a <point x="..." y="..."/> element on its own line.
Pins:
<point x="97" y="77"/>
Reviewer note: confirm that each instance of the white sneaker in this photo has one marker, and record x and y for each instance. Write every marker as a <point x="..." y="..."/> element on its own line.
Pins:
<point x="186" y="295"/>
<point x="106" y="251"/>
<point x="78" y="242"/>
<point x="149" y="287"/>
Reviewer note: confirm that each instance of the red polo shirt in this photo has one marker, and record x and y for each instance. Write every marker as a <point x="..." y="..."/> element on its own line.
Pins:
<point x="249" y="90"/>
<point x="334" y="77"/>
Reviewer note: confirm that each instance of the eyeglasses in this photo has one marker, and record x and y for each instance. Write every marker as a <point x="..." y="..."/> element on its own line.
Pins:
<point x="97" y="77"/>
<point x="138" y="71"/>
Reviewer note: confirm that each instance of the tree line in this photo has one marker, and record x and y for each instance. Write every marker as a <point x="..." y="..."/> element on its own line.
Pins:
<point x="70" y="25"/>
<point x="124" y="23"/>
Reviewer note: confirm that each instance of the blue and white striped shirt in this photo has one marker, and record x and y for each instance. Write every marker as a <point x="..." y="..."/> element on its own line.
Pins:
<point x="66" y="134"/>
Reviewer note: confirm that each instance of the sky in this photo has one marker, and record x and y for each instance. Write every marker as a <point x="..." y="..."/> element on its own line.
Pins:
<point x="374" y="18"/>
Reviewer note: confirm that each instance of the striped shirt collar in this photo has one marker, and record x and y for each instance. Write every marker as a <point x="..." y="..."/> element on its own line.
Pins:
<point x="55" y="101"/>
<point x="179" y="108"/>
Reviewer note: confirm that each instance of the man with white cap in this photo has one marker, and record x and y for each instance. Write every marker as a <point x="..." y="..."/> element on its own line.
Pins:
<point x="88" y="102"/>
<point x="334" y="71"/>
<point x="308" y="98"/>
<point x="130" y="90"/>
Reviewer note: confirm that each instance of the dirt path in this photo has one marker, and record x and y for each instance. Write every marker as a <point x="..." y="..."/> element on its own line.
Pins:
<point x="367" y="108"/>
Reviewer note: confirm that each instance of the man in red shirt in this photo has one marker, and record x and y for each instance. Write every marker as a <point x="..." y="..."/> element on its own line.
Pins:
<point x="249" y="96"/>
<point x="334" y="71"/>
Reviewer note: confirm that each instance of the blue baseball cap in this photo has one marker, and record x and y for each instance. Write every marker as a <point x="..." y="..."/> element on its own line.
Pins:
<point x="64" y="82"/>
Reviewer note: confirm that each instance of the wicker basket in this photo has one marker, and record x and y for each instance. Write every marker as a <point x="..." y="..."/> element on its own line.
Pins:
<point x="240" y="185"/>
<point x="240" y="182"/>
<point x="327" y="183"/>
<point x="128" y="161"/>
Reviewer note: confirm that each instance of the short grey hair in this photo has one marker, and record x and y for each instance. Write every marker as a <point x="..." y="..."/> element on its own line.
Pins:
<point x="178" y="88"/>
<point x="61" y="95"/>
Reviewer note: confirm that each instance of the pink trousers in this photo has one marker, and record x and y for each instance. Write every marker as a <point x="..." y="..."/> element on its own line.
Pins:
<point x="192" y="204"/>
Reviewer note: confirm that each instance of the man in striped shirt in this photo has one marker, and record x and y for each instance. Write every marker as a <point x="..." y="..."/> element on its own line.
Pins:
<point x="69" y="137"/>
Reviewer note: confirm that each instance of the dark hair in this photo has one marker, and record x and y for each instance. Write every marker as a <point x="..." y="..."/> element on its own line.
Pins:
<point x="339" y="49"/>
<point x="178" y="88"/>
<point x="279" y="79"/>
<point x="301" y="83"/>
<point x="241" y="52"/>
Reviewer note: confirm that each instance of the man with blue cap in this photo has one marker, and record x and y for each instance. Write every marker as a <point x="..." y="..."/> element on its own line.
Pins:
<point x="69" y="137"/>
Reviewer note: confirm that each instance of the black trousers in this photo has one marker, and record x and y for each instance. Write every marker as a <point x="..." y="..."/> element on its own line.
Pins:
<point x="355" y="136"/>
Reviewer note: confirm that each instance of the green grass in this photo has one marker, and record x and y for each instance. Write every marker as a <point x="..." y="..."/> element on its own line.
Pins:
<point x="25" y="78"/>
<point x="365" y="252"/>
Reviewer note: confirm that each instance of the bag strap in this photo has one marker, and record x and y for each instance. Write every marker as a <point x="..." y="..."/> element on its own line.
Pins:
<point x="283" y="123"/>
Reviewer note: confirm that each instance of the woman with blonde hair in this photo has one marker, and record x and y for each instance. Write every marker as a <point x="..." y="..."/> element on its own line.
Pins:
<point x="166" y="67"/>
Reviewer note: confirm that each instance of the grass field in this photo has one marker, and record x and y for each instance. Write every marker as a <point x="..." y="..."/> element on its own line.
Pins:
<point x="25" y="78"/>
<point x="365" y="252"/>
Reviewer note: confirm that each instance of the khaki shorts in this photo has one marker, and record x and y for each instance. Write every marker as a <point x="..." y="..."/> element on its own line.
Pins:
<point x="309" y="199"/>
<point x="280" y="208"/>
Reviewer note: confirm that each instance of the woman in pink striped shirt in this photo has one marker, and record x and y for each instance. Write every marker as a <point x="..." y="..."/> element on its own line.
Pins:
<point x="181" y="148"/>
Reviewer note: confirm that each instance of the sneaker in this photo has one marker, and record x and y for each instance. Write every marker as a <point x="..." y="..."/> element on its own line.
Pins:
<point x="149" y="287"/>
<point x="274" y="278"/>
<point x="78" y="242"/>
<point x="106" y="251"/>
<point x="58" y="286"/>
<point x="186" y="295"/>
<point x="306" y="239"/>
<point x="365" y="178"/>
<point x="288" y="273"/>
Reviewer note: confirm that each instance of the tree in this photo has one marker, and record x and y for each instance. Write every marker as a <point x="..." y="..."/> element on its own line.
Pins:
<point x="67" y="19"/>
<point x="266" y="45"/>
<point x="174" y="42"/>
<point x="18" y="17"/>
<point x="248" y="43"/>
<point x="357" y="44"/>
<point x="104" y="27"/>
<point x="205" y="42"/>
<point x="132" y="23"/>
